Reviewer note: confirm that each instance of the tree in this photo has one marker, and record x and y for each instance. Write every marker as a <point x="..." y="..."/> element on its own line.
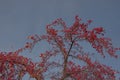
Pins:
<point x="66" y="58"/>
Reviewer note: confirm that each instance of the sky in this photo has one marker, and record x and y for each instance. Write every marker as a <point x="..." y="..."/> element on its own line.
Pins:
<point x="21" y="18"/>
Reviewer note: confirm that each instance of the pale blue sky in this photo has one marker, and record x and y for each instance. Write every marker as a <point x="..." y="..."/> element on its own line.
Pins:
<point x="20" y="18"/>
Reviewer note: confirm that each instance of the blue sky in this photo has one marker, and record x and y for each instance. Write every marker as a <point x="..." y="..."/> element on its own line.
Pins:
<point x="20" y="18"/>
